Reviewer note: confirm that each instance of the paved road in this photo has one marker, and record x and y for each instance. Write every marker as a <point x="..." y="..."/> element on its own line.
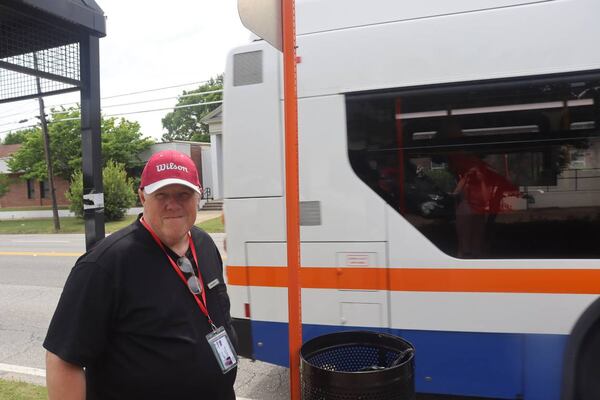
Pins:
<point x="33" y="269"/>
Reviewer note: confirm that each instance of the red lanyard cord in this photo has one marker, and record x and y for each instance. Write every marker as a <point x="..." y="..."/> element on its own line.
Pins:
<point x="201" y="302"/>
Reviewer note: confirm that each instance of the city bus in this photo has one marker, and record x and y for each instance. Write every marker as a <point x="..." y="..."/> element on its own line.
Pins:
<point x="449" y="161"/>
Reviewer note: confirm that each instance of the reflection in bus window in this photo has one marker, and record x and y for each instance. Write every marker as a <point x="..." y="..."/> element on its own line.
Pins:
<point x="498" y="170"/>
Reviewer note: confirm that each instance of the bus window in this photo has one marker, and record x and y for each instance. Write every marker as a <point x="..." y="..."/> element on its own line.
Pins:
<point x="487" y="170"/>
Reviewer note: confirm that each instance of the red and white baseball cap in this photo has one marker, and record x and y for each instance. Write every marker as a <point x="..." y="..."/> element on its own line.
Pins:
<point x="169" y="167"/>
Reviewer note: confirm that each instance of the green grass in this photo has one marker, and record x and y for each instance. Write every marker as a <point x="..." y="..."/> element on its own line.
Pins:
<point x="214" y="225"/>
<point x="46" y="225"/>
<point x="13" y="390"/>
<point x="76" y="225"/>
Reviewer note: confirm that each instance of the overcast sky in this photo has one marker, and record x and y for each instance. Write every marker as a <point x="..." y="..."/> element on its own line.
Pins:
<point x="152" y="45"/>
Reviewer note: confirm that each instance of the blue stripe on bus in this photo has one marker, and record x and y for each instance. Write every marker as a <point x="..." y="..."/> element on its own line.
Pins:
<point x="497" y="365"/>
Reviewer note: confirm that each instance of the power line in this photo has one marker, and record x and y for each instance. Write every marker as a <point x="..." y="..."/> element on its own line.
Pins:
<point x="145" y="111"/>
<point x="135" y="102"/>
<point x="19" y="113"/>
<point x="163" y="98"/>
<point x="153" y="100"/>
<point x="201" y="93"/>
<point x="16" y="107"/>
<point x="124" y="104"/>
<point x="19" y="129"/>
<point x="123" y="95"/>
<point x="154" y="90"/>
<point x="21" y="121"/>
<point x="125" y="113"/>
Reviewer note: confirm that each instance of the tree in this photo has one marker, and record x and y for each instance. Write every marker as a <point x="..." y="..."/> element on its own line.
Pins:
<point x="19" y="136"/>
<point x="184" y="123"/>
<point x="29" y="159"/>
<point x="119" y="192"/>
<point x="122" y="142"/>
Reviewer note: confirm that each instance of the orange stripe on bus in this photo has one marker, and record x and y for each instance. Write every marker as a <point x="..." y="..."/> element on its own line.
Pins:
<point x="571" y="281"/>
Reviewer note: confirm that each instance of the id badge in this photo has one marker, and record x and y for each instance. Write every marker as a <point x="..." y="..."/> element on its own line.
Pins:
<point x="223" y="350"/>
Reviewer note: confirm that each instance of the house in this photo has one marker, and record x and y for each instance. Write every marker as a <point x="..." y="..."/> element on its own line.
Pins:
<point x="30" y="192"/>
<point x="214" y="120"/>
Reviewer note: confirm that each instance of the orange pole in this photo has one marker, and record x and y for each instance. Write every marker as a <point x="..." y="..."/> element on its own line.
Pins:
<point x="291" y="193"/>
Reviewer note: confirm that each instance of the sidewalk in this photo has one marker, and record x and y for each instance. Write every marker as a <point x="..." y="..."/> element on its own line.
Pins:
<point x="9" y="215"/>
<point x="206" y="215"/>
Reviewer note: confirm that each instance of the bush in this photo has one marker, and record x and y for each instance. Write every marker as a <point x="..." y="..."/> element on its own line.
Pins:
<point x="119" y="194"/>
<point x="4" y="184"/>
<point x="75" y="194"/>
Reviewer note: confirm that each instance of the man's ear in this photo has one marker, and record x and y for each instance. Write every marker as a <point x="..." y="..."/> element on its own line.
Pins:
<point x="142" y="196"/>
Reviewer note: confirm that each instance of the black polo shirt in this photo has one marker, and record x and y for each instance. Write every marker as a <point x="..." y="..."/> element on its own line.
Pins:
<point x="129" y="319"/>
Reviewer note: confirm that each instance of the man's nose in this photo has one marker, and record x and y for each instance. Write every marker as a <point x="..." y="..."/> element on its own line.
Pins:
<point x="172" y="202"/>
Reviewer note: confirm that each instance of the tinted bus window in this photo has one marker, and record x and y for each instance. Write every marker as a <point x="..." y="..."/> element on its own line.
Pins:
<point x="487" y="170"/>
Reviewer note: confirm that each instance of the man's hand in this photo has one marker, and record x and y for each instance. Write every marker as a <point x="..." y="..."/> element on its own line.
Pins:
<point x="64" y="380"/>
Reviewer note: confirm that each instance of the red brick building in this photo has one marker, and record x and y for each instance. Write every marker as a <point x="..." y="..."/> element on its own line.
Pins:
<point x="28" y="193"/>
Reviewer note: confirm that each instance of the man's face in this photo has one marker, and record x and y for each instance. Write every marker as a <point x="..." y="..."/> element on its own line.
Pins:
<point x="170" y="211"/>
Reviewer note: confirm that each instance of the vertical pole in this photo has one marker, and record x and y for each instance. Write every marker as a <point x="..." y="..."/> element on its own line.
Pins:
<point x="46" y="138"/>
<point x="93" y="196"/>
<point x="401" y="179"/>
<point x="292" y="193"/>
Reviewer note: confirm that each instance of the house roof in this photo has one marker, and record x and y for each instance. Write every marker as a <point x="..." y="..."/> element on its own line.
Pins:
<point x="215" y="115"/>
<point x="8" y="149"/>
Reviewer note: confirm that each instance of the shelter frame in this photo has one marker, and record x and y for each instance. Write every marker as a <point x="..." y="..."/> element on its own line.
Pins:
<point x="56" y="44"/>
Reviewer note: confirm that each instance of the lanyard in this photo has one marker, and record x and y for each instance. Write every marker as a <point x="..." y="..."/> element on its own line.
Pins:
<point x="201" y="302"/>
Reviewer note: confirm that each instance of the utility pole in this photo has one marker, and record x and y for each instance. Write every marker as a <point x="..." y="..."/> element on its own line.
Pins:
<point x="46" y="138"/>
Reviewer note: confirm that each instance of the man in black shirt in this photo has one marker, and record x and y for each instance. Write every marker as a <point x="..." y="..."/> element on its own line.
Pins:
<point x="142" y="313"/>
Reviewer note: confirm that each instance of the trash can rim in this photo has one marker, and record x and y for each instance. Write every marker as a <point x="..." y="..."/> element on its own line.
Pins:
<point x="305" y="354"/>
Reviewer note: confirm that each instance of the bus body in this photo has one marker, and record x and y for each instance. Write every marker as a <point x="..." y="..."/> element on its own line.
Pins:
<point x="400" y="102"/>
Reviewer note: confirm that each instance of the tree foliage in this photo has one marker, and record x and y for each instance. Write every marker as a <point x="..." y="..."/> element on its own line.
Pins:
<point x="119" y="192"/>
<point x="30" y="158"/>
<point x="122" y="142"/>
<point x="19" y="136"/>
<point x="184" y="123"/>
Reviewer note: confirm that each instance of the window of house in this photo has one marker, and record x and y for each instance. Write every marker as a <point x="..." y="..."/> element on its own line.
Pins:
<point x="44" y="189"/>
<point x="30" y="189"/>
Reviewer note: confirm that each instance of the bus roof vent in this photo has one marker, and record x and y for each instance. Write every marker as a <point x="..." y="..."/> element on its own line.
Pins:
<point x="310" y="213"/>
<point x="247" y="68"/>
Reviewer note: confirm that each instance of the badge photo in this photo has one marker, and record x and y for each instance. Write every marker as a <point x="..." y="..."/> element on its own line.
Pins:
<point x="222" y="349"/>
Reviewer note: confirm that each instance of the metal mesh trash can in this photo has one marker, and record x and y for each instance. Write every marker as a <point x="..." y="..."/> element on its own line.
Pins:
<point x="357" y="365"/>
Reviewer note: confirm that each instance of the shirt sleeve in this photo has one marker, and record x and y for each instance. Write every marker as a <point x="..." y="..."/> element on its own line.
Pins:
<point x="78" y="332"/>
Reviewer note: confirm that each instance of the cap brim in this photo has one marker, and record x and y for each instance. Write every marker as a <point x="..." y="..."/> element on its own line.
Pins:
<point x="171" y="181"/>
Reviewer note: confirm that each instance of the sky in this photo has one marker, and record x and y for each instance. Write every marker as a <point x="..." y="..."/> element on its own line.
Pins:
<point x="151" y="45"/>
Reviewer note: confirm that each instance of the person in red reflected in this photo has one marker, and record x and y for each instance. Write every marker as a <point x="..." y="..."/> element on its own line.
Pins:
<point x="479" y="193"/>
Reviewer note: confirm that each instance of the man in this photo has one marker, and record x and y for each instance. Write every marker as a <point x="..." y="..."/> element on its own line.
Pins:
<point x="143" y="309"/>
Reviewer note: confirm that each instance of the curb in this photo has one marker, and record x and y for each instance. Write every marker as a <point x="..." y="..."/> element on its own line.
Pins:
<point x="17" y="369"/>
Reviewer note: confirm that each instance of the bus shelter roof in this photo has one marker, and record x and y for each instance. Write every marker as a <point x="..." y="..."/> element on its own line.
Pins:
<point x="41" y="39"/>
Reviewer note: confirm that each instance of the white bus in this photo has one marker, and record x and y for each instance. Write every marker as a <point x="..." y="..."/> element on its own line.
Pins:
<point x="449" y="187"/>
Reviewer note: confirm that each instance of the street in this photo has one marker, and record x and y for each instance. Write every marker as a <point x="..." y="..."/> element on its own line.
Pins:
<point x="33" y="269"/>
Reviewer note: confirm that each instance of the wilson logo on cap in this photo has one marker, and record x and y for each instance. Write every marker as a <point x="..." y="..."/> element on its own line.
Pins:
<point x="164" y="167"/>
